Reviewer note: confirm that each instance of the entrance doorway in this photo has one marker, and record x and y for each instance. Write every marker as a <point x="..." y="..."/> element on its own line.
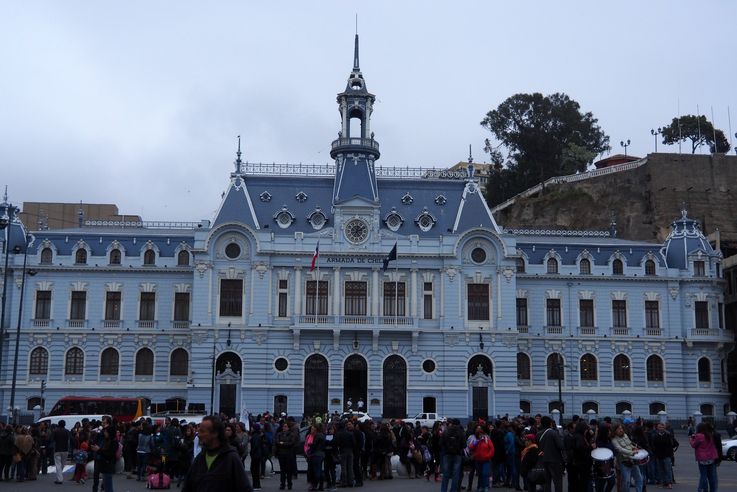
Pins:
<point x="316" y="385"/>
<point x="280" y="405"/>
<point x="480" y="373"/>
<point x="228" y="383"/>
<point x="395" y="387"/>
<point x="355" y="383"/>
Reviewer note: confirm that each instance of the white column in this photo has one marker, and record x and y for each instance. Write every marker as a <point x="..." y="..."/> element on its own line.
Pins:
<point x="375" y="292"/>
<point x="297" y="290"/>
<point x="271" y="291"/>
<point x="442" y="293"/>
<point x="336" y="291"/>
<point x="413" y="293"/>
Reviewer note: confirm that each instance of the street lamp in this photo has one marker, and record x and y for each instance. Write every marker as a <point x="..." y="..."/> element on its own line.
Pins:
<point x="29" y="241"/>
<point x="625" y="145"/>
<point x="5" y="220"/>
<point x="655" y="135"/>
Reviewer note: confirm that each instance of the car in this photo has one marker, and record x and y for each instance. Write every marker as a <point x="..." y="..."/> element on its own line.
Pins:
<point x="360" y="416"/>
<point x="426" y="419"/>
<point x="729" y="448"/>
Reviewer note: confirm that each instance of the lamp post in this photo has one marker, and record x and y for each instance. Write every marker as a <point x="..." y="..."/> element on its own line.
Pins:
<point x="625" y="145"/>
<point x="5" y="221"/>
<point x="29" y="240"/>
<point x="655" y="134"/>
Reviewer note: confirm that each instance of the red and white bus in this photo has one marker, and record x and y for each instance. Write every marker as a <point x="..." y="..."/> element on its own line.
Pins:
<point x="122" y="409"/>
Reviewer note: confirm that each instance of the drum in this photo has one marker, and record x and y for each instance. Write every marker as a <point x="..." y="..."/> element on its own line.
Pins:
<point x="603" y="463"/>
<point x="641" y="457"/>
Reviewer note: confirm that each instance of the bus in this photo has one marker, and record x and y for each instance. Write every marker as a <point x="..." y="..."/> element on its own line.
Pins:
<point x="122" y="409"/>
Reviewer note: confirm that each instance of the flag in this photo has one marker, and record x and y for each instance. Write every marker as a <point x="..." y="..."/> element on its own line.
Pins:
<point x="391" y="257"/>
<point x="315" y="256"/>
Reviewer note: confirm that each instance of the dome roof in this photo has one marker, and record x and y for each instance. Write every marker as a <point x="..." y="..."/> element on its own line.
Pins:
<point x="685" y="239"/>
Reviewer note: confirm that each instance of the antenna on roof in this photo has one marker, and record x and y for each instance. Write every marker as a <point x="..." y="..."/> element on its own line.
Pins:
<point x="238" y="161"/>
<point x="80" y="215"/>
<point x="469" y="168"/>
<point x="684" y="210"/>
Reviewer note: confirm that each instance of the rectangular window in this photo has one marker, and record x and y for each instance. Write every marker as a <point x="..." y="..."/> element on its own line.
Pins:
<point x="78" y="309"/>
<point x="147" y="309"/>
<point x="553" y="312"/>
<point x="522" y="311"/>
<point x="702" y="314"/>
<point x="231" y="297"/>
<point x="699" y="269"/>
<point x="282" y="298"/>
<point x="720" y="308"/>
<point x="112" y="306"/>
<point x="181" y="306"/>
<point x="355" y="298"/>
<point x="43" y="304"/>
<point x="478" y="302"/>
<point x="394" y="298"/>
<point x="586" y="313"/>
<point x="619" y="314"/>
<point x="652" y="314"/>
<point x="427" y="300"/>
<point x="316" y="300"/>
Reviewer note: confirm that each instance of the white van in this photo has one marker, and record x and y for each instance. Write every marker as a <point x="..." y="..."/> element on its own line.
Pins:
<point x="70" y="420"/>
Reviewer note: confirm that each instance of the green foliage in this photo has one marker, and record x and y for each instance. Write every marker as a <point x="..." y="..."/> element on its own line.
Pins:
<point x="698" y="130"/>
<point x="543" y="136"/>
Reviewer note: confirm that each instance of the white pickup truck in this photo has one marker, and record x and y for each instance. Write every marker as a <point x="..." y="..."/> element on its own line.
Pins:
<point x="427" y="419"/>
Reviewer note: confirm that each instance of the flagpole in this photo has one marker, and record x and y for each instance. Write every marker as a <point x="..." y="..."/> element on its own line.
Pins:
<point x="317" y="287"/>
<point x="396" y="291"/>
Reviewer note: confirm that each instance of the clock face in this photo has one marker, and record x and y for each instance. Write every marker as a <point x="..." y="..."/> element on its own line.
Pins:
<point x="356" y="231"/>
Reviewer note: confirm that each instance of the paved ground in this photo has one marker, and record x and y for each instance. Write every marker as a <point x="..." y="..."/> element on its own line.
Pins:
<point x="686" y="472"/>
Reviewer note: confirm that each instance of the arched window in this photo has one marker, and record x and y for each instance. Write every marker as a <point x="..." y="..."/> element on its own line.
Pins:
<point x="650" y="267"/>
<point x="47" y="256"/>
<point x="115" y="256"/>
<point x="183" y="258"/>
<point x="80" y="256"/>
<point x="556" y="405"/>
<point x="707" y="410"/>
<point x="523" y="366"/>
<point x="589" y="405"/>
<point x="145" y="362"/>
<point x="617" y="267"/>
<point x="149" y="257"/>
<point x="589" y="368"/>
<point x="520" y="265"/>
<point x="555" y="366"/>
<point x="552" y="265"/>
<point x="704" y="370"/>
<point x="109" y="362"/>
<point x="39" y="362"/>
<point x="623" y="406"/>
<point x="656" y="407"/>
<point x="525" y="406"/>
<point x="179" y="363"/>
<point x="654" y="366"/>
<point x="584" y="267"/>
<point x="74" y="362"/>
<point x="621" y="368"/>
<point x="33" y="402"/>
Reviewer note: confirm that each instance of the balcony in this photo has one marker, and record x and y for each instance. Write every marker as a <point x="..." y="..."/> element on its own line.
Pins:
<point x="653" y="332"/>
<point x="553" y="330"/>
<point x="41" y="323"/>
<point x="180" y="324"/>
<point x="76" y="323"/>
<point x="620" y="331"/>
<point x="351" y="320"/>
<point x="112" y="323"/>
<point x="348" y="145"/>
<point x="523" y="329"/>
<point x="146" y="323"/>
<point x="587" y="330"/>
<point x="706" y="332"/>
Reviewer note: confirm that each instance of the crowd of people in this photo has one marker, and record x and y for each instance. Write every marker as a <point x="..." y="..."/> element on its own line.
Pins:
<point x="522" y="453"/>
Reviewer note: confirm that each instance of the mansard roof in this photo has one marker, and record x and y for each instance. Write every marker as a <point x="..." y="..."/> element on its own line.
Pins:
<point x="599" y="249"/>
<point x="98" y="240"/>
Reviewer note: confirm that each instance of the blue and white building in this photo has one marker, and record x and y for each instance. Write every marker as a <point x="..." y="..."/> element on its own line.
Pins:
<point x="470" y="319"/>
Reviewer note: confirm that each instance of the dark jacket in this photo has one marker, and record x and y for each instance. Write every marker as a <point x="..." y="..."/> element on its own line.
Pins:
<point x="61" y="438"/>
<point x="284" y="443"/>
<point x="550" y="443"/>
<point x="258" y="443"/>
<point x="662" y="445"/>
<point x="453" y="441"/>
<point x="344" y="441"/>
<point x="317" y="448"/>
<point x="226" y="474"/>
<point x="106" y="455"/>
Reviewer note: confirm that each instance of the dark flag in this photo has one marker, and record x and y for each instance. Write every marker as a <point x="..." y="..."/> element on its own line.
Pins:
<point x="391" y="257"/>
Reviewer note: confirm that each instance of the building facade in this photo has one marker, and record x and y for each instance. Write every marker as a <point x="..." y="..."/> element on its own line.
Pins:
<point x="469" y="320"/>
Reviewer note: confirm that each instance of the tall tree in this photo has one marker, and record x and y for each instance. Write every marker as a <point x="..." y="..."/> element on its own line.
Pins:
<point x="544" y="136"/>
<point x="697" y="129"/>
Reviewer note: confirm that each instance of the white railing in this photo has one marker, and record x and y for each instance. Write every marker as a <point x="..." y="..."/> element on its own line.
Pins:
<point x="554" y="330"/>
<point x="523" y="329"/>
<point x="315" y="319"/>
<point x="328" y="170"/>
<point x="571" y="178"/>
<point x="620" y="330"/>
<point x="320" y="319"/>
<point x="180" y="324"/>
<point x="587" y="330"/>
<point x="112" y="323"/>
<point x="396" y="320"/>
<point x="704" y="332"/>
<point x="653" y="332"/>
<point x="76" y="323"/>
<point x="146" y="323"/>
<point x="42" y="323"/>
<point x="138" y="224"/>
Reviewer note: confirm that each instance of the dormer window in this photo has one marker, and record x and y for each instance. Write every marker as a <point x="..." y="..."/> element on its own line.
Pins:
<point x="699" y="269"/>
<point x="650" y="268"/>
<point x="441" y="200"/>
<point x="183" y="258"/>
<point x="115" y="256"/>
<point x="552" y="265"/>
<point x="520" y="264"/>
<point x="47" y="256"/>
<point x="149" y="257"/>
<point x="284" y="218"/>
<point x="265" y="196"/>
<point x="317" y="219"/>
<point x="393" y="221"/>
<point x="407" y="199"/>
<point x="584" y="267"/>
<point x="301" y="197"/>
<point x="617" y="267"/>
<point x="425" y="221"/>
<point x="80" y="257"/>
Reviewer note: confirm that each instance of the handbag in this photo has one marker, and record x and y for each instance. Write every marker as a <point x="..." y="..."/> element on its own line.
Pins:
<point x="537" y="474"/>
<point x="17" y="457"/>
<point x="417" y="456"/>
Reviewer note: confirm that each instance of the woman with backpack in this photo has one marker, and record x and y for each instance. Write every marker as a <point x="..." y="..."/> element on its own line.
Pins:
<point x="481" y="450"/>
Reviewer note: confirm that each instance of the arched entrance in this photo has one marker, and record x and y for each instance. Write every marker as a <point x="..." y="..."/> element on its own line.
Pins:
<point x="316" y="385"/>
<point x="395" y="387"/>
<point x="355" y="382"/>
<point x="480" y="373"/>
<point x="228" y="368"/>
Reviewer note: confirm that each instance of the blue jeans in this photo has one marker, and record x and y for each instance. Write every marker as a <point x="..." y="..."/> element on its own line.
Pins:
<point x="107" y="482"/>
<point x="451" y="472"/>
<point x="142" y="464"/>
<point x="708" y="481"/>
<point x="665" y="470"/>
<point x="631" y="472"/>
<point x="483" y="468"/>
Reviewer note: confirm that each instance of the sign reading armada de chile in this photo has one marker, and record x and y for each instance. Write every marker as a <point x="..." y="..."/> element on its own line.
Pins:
<point x="355" y="260"/>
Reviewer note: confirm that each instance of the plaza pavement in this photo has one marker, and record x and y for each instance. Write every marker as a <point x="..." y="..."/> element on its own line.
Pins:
<point x="686" y="472"/>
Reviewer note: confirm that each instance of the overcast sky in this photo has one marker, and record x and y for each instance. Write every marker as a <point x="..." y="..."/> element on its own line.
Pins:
<point x="138" y="103"/>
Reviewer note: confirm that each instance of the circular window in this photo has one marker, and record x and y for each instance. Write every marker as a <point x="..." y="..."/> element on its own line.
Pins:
<point x="428" y="365"/>
<point x="425" y="222"/>
<point x="232" y="251"/>
<point x="356" y="231"/>
<point x="317" y="220"/>
<point x="478" y="255"/>
<point x="393" y="222"/>
<point x="284" y="219"/>
<point x="281" y="364"/>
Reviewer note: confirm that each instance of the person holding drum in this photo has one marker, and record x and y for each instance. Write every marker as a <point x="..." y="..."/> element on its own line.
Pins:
<point x="628" y="458"/>
<point x="604" y="471"/>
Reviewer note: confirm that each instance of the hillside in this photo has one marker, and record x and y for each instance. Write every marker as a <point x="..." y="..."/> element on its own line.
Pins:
<point x="644" y="200"/>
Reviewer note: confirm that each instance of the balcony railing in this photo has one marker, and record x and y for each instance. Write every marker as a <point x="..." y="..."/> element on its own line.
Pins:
<point x="324" y="319"/>
<point x="76" y="323"/>
<point x="112" y="323"/>
<point x="316" y="319"/>
<point x="146" y="323"/>
<point x="180" y="324"/>
<point x="653" y="332"/>
<point x="41" y="323"/>
<point x="553" y="330"/>
<point x="587" y="330"/>
<point x="362" y="142"/>
<point x="523" y="329"/>
<point x="620" y="330"/>
<point x="705" y="332"/>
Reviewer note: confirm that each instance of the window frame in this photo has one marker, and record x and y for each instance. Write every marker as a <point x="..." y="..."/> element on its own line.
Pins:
<point x="38" y="362"/>
<point x="591" y="363"/>
<point x="230" y="303"/>
<point x="478" y="304"/>
<point x="622" y="368"/>
<point x="654" y="369"/>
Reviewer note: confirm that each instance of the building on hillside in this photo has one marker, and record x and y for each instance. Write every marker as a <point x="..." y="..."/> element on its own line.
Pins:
<point x="46" y="215"/>
<point x="481" y="171"/>
<point x="614" y="160"/>
<point x="469" y="320"/>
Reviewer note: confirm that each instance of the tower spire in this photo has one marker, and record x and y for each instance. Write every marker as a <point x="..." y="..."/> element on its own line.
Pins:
<point x="356" y="67"/>
<point x="238" y="162"/>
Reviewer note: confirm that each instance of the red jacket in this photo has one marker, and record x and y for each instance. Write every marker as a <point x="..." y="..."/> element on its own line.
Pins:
<point x="481" y="449"/>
